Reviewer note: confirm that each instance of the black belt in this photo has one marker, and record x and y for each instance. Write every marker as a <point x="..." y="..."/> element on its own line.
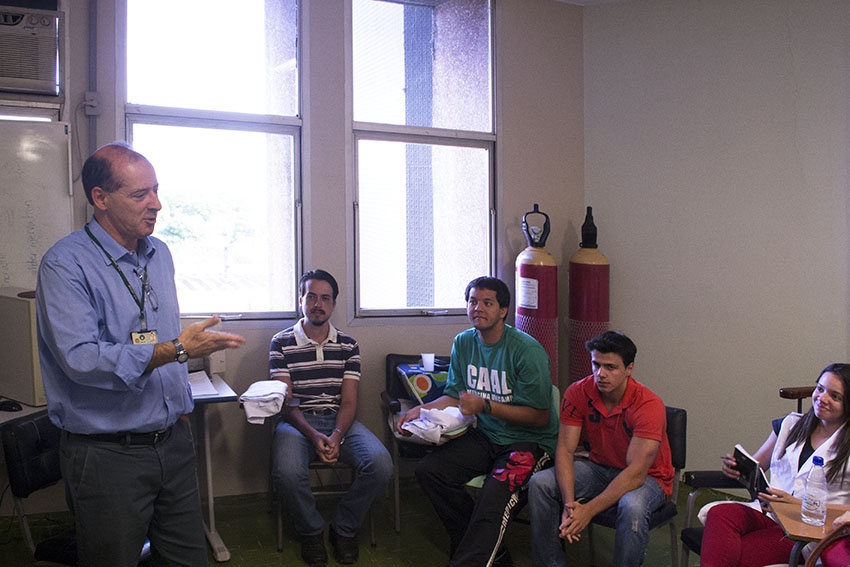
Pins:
<point x="127" y="438"/>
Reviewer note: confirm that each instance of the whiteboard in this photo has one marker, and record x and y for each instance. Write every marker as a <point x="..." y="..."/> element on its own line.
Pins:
<point x="36" y="201"/>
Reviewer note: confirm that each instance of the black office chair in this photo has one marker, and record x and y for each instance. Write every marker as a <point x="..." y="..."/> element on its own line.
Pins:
<point x="677" y="428"/>
<point x="395" y="399"/>
<point x="31" y="449"/>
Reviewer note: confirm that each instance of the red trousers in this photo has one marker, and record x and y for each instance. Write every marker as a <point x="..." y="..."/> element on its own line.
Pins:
<point x="737" y="535"/>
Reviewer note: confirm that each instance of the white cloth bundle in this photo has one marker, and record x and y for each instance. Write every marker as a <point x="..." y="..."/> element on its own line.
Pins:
<point x="263" y="399"/>
<point x="431" y="424"/>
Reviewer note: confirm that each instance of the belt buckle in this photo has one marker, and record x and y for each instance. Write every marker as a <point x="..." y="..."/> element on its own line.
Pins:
<point x="158" y="436"/>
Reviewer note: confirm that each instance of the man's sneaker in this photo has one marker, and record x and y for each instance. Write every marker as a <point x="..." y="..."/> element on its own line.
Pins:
<point x="346" y="551"/>
<point x="313" y="550"/>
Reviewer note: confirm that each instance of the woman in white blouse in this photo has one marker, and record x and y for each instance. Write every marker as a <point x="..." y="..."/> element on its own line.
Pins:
<point x="743" y="535"/>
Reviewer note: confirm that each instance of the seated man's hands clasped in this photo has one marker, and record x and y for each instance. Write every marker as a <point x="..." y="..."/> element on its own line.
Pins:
<point x="574" y="518"/>
<point x="327" y="448"/>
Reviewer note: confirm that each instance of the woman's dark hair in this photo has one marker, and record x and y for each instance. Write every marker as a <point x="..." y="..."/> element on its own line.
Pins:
<point x="803" y="429"/>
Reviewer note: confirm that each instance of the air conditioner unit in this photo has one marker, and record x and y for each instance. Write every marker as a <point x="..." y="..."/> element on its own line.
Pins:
<point x="31" y="45"/>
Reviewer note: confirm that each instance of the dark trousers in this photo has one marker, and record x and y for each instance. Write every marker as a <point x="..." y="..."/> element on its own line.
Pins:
<point x="122" y="493"/>
<point x="476" y="526"/>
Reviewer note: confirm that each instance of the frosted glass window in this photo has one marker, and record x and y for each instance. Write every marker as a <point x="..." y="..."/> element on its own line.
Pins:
<point x="425" y="140"/>
<point x="423" y="63"/>
<point x="213" y="55"/>
<point x="212" y="101"/>
<point x="424" y="217"/>
<point x="227" y="215"/>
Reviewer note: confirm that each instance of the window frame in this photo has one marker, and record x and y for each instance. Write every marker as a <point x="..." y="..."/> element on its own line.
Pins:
<point x="134" y="113"/>
<point x="418" y="135"/>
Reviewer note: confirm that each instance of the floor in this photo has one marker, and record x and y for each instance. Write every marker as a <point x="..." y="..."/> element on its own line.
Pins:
<point x="248" y="527"/>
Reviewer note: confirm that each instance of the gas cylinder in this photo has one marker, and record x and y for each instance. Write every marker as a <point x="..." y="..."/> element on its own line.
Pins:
<point x="589" y="298"/>
<point x="537" y="289"/>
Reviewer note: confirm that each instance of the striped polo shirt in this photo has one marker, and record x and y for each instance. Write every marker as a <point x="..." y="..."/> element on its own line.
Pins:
<point x="316" y="370"/>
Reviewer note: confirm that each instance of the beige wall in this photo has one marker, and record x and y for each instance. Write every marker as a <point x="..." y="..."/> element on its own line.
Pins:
<point x="539" y="159"/>
<point x="716" y="156"/>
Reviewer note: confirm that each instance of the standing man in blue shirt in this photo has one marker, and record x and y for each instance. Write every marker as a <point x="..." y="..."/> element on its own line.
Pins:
<point x="113" y="362"/>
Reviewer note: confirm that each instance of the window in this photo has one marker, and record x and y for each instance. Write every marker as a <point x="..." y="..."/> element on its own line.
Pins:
<point x="423" y="130"/>
<point x="212" y="101"/>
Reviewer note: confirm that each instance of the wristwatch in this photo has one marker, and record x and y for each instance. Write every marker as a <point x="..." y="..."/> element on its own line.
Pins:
<point x="182" y="355"/>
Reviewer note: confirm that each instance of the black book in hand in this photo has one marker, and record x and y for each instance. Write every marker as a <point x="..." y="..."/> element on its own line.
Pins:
<point x="752" y="475"/>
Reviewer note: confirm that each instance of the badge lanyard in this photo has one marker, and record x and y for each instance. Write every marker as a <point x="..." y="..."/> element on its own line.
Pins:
<point x="143" y="336"/>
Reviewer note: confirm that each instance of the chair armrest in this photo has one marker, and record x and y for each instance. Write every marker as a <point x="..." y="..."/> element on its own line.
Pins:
<point x="704" y="480"/>
<point x="796" y="393"/>
<point x="709" y="479"/>
<point x="393" y="405"/>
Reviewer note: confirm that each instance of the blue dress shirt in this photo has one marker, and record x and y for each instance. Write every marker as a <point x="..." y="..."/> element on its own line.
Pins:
<point x="94" y="376"/>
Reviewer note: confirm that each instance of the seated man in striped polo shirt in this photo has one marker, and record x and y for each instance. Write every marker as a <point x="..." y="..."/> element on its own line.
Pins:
<point x="321" y="366"/>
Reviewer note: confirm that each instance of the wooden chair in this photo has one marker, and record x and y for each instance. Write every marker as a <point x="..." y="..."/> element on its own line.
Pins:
<point x="798" y="393"/>
<point x="833" y="550"/>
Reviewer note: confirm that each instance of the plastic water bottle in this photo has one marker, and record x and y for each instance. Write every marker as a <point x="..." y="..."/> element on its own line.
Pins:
<point x="814" y="498"/>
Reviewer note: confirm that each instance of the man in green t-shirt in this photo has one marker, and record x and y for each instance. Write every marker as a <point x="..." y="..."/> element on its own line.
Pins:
<point x="501" y="375"/>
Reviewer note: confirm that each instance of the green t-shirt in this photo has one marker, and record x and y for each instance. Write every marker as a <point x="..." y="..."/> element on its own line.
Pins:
<point x="513" y="371"/>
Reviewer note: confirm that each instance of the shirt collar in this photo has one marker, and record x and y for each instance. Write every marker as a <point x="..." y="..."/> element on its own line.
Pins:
<point x="147" y="246"/>
<point x="628" y="396"/>
<point x="302" y="339"/>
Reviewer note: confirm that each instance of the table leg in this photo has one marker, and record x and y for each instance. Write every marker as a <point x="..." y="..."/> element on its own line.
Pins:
<point x="794" y="560"/>
<point x="220" y="551"/>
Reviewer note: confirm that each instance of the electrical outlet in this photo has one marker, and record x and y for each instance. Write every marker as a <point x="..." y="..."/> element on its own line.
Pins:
<point x="92" y="103"/>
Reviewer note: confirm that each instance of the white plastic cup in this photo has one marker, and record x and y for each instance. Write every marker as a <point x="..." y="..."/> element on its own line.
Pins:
<point x="428" y="361"/>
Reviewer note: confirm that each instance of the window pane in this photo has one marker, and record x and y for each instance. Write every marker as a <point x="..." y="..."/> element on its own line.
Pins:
<point x="227" y="216"/>
<point x="417" y="64"/>
<point x="424" y="215"/>
<point x="213" y="55"/>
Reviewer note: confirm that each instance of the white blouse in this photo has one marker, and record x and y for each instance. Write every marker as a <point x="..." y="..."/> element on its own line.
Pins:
<point x="783" y="464"/>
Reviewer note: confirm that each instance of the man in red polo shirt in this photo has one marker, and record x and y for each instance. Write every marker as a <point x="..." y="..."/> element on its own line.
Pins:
<point x="624" y="424"/>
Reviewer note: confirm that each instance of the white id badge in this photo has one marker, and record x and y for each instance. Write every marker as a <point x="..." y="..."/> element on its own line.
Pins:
<point x="144" y="337"/>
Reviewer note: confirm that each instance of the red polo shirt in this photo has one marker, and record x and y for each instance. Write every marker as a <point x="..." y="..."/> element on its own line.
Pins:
<point x="640" y="413"/>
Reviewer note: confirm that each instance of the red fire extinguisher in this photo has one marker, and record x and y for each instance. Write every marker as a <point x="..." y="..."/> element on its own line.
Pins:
<point x="537" y="290"/>
<point x="589" y="298"/>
